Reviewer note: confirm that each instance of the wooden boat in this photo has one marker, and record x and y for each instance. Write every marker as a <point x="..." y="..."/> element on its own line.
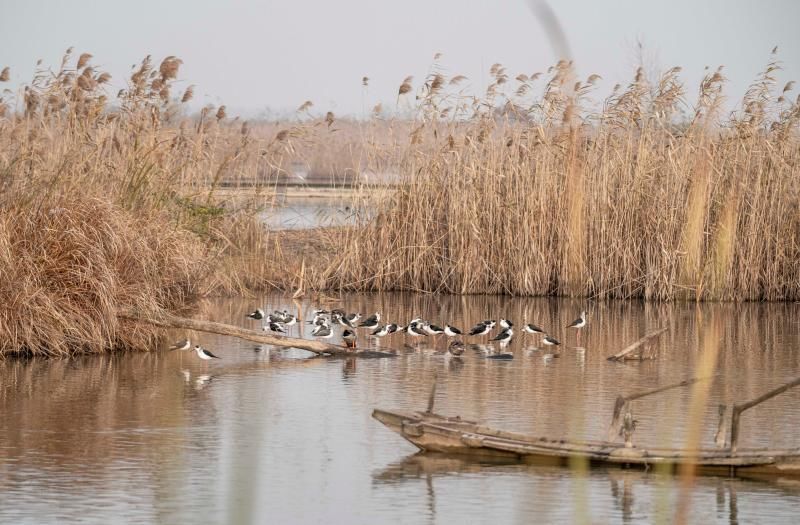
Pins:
<point x="453" y="435"/>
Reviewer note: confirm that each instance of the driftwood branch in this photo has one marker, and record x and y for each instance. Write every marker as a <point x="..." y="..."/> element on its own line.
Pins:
<point x="317" y="347"/>
<point x="619" y="356"/>
<point x="622" y="401"/>
<point x="738" y="409"/>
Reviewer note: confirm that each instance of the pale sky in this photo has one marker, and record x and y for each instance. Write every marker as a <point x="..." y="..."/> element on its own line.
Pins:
<point x="252" y="55"/>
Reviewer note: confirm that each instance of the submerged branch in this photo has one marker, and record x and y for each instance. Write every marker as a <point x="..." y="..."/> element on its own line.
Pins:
<point x="619" y="356"/>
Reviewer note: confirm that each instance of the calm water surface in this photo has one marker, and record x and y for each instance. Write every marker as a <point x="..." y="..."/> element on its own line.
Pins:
<point x="276" y="436"/>
<point x="305" y="213"/>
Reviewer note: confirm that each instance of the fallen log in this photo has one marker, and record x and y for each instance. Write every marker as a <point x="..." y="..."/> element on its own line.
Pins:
<point x="317" y="347"/>
<point x="619" y="356"/>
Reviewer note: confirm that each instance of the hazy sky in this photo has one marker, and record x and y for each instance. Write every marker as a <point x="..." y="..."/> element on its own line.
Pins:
<point x="252" y="54"/>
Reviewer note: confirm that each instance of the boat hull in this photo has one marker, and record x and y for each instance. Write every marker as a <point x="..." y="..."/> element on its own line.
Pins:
<point x="453" y="435"/>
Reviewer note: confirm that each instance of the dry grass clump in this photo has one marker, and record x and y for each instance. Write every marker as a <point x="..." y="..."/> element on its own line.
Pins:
<point x="537" y="188"/>
<point x="67" y="269"/>
<point x="108" y="205"/>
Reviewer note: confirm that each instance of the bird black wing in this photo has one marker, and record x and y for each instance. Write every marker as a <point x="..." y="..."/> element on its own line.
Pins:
<point x="478" y="328"/>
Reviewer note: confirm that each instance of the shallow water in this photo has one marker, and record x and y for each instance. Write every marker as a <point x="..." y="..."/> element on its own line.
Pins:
<point x="301" y="214"/>
<point x="276" y="436"/>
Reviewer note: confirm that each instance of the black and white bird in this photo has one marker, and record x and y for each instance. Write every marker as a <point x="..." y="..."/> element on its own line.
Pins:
<point x="349" y="338"/>
<point x="414" y="329"/>
<point x="344" y="321"/>
<point x="391" y="328"/>
<point x="371" y="322"/>
<point x="533" y="329"/>
<point x="381" y="331"/>
<point x="433" y="329"/>
<point x="275" y="327"/>
<point x="550" y="341"/>
<point x="322" y="331"/>
<point x="506" y="324"/>
<point x="505" y="336"/>
<point x="376" y="317"/>
<point x="352" y="318"/>
<point x="204" y="354"/>
<point x="288" y="319"/>
<point x="451" y="331"/>
<point x="319" y="320"/>
<point x="481" y="329"/>
<point x="256" y="314"/>
<point x="183" y="344"/>
<point x="579" y="323"/>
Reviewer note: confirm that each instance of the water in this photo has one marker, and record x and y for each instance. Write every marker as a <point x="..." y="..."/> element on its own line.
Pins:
<point x="305" y="213"/>
<point x="277" y="436"/>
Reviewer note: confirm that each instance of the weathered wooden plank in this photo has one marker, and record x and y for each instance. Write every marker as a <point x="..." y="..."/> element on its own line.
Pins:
<point x="436" y="433"/>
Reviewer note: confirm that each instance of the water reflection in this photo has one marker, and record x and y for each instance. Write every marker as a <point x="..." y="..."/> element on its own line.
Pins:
<point x="278" y="435"/>
<point x="626" y="496"/>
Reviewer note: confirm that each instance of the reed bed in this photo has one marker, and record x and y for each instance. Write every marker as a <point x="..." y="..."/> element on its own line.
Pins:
<point x="539" y="188"/>
<point x="535" y="187"/>
<point x="108" y="204"/>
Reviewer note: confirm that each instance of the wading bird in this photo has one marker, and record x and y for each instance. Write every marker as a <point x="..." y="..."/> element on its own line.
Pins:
<point x="579" y="323"/>
<point x="275" y="327"/>
<point x="352" y="319"/>
<point x="481" y="329"/>
<point x="204" y="354"/>
<point x="533" y="329"/>
<point x="322" y="331"/>
<point x="349" y="338"/>
<point x="504" y="337"/>
<point x="451" y="331"/>
<point x="373" y="319"/>
<point x="433" y="329"/>
<point x="256" y="314"/>
<point x="550" y="341"/>
<point x="370" y="322"/>
<point x="381" y="331"/>
<point x="183" y="344"/>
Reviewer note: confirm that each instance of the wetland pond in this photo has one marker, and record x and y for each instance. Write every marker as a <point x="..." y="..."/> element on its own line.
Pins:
<point x="267" y="435"/>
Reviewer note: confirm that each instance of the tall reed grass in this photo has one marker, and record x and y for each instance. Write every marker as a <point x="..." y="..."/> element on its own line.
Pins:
<point x="108" y="205"/>
<point x="541" y="188"/>
<point x="535" y="187"/>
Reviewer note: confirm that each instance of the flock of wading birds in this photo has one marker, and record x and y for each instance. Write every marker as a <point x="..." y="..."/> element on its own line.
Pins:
<point x="326" y="321"/>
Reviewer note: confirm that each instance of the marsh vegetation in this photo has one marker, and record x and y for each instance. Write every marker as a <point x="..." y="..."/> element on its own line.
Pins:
<point x="538" y="186"/>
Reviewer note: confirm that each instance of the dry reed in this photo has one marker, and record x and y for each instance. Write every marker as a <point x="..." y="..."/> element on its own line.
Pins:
<point x="533" y="188"/>
<point x="639" y="195"/>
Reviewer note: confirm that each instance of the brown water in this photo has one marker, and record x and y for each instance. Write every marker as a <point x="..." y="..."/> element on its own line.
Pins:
<point x="278" y="437"/>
